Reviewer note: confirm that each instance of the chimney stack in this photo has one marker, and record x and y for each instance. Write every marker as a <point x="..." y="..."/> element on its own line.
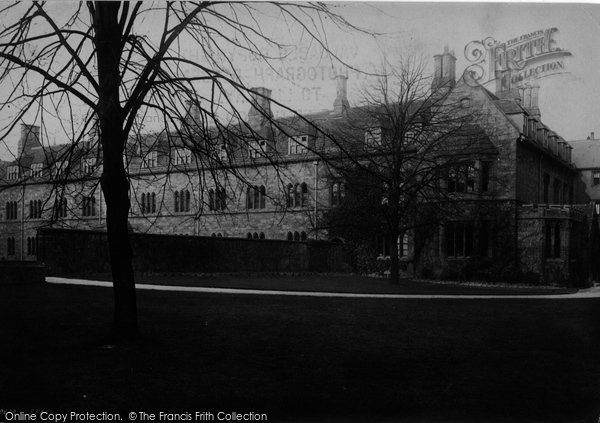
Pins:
<point x="526" y="96"/>
<point x="30" y="137"/>
<point x="341" y="99"/>
<point x="505" y="88"/>
<point x="260" y="109"/>
<point x="444" y="73"/>
<point x="193" y="117"/>
<point x="534" y="107"/>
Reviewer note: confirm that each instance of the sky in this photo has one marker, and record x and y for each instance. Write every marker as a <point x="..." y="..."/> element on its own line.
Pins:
<point x="568" y="101"/>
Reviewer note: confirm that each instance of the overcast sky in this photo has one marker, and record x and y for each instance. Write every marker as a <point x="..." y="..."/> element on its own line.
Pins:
<point x="568" y="102"/>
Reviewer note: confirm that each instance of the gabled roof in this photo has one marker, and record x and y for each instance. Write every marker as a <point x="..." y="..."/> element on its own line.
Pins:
<point x="585" y="153"/>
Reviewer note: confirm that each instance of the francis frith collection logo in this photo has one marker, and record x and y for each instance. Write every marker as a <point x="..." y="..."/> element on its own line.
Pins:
<point x="517" y="61"/>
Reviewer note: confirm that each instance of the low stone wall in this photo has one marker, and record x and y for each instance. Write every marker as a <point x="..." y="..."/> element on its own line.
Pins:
<point x="75" y="251"/>
<point x="21" y="272"/>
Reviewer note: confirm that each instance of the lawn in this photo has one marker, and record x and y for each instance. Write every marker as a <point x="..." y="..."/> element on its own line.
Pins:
<point x="329" y="283"/>
<point x="303" y="359"/>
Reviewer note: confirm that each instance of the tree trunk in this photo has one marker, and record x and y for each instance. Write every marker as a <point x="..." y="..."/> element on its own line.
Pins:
<point x="115" y="186"/>
<point x="394" y="262"/>
<point x="114" y="181"/>
<point x="394" y="232"/>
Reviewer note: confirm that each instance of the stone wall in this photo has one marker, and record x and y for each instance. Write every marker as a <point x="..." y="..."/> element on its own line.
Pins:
<point x="76" y="251"/>
<point x="533" y="164"/>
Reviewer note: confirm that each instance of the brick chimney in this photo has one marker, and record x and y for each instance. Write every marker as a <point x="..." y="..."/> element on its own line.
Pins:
<point x="341" y="99"/>
<point x="30" y="137"/>
<point x="193" y="117"/>
<point x="505" y="87"/>
<point x="260" y="110"/>
<point x="529" y="95"/>
<point x="444" y="73"/>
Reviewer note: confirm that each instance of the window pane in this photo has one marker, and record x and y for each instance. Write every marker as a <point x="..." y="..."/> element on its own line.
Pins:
<point x="450" y="238"/>
<point x="468" y="239"/>
<point x="460" y="244"/>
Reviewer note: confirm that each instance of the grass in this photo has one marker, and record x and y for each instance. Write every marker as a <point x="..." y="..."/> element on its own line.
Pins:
<point x="303" y="359"/>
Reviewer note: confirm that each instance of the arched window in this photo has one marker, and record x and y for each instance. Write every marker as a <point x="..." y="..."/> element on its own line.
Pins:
<point x="213" y="235"/>
<point x="250" y="198"/>
<point x="10" y="246"/>
<point x="336" y="193"/>
<point x="211" y="199"/>
<point x="153" y="202"/>
<point x="219" y="235"/>
<point x="88" y="207"/>
<point x="261" y="235"/>
<point x="304" y="198"/>
<point x="403" y="245"/>
<point x="249" y="235"/>
<point x="31" y="246"/>
<point x="255" y="235"/>
<point x="60" y="208"/>
<point x="290" y="236"/>
<point x="256" y="197"/>
<point x="290" y="195"/>
<point x="263" y="195"/>
<point x="296" y="236"/>
<point x="297" y="195"/>
<point x="35" y="209"/>
<point x="188" y="198"/>
<point x="176" y="201"/>
<point x="143" y="204"/>
<point x="221" y="202"/>
<point x="303" y="236"/>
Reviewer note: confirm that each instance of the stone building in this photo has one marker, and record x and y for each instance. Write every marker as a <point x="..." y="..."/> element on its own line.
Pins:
<point x="516" y="194"/>
<point x="525" y="223"/>
<point x="586" y="157"/>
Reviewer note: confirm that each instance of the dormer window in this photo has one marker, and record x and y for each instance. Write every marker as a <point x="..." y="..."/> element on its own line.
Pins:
<point x="87" y="165"/>
<point x="150" y="160"/>
<point x="257" y="148"/>
<point x="409" y="137"/>
<point x="373" y="137"/>
<point x="531" y="128"/>
<point x="298" y="145"/>
<point x="12" y="173"/>
<point x="182" y="156"/>
<point x="59" y="169"/>
<point x="223" y="154"/>
<point x="36" y="170"/>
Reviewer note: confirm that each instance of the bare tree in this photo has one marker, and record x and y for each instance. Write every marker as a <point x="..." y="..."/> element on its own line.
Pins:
<point x="102" y="58"/>
<point x="409" y="138"/>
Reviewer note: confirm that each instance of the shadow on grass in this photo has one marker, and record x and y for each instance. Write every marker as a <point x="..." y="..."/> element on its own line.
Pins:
<point x="302" y="358"/>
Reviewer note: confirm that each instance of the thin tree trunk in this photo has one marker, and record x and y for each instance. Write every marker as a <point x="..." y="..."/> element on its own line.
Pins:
<point x="115" y="184"/>
<point x="394" y="262"/>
